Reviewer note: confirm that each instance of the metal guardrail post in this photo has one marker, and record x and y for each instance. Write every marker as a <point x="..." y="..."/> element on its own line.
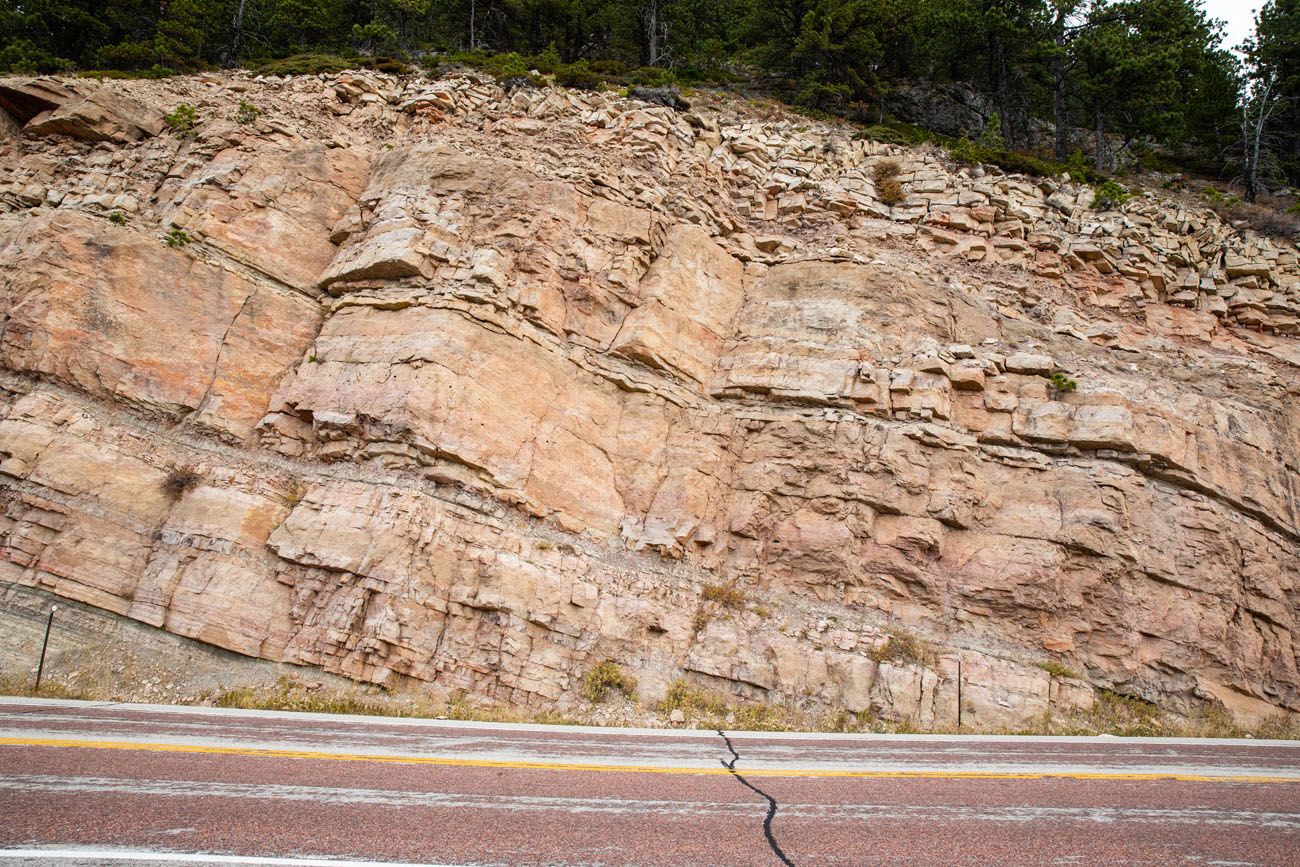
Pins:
<point x="40" y="669"/>
<point x="959" y="691"/>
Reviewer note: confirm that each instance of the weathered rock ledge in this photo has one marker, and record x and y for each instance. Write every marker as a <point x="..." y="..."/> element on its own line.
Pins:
<point x="439" y="384"/>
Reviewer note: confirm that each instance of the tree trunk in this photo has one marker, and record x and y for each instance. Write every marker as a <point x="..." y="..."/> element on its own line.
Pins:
<point x="652" y="34"/>
<point x="473" y="41"/>
<point x="1247" y="164"/>
<point x="1099" y="161"/>
<point x="236" y="47"/>
<point x="1060" y="108"/>
<point x="1004" y="93"/>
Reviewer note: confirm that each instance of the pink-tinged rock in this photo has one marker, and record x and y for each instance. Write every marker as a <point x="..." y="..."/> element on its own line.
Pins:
<point x="689" y="297"/>
<point x="25" y="99"/>
<point x="102" y="115"/>
<point x="523" y="419"/>
<point x="121" y="315"/>
<point x="273" y="209"/>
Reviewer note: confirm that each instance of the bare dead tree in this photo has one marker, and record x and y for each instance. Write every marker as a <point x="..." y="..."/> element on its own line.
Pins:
<point x="656" y="31"/>
<point x="1259" y="102"/>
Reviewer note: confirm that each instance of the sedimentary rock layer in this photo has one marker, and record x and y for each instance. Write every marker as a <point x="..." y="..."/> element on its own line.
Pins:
<point x="434" y="384"/>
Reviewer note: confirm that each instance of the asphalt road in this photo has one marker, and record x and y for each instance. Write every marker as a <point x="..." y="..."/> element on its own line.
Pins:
<point x="85" y="783"/>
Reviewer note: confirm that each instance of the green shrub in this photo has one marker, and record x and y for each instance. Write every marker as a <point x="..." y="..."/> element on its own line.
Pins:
<point x="507" y="65"/>
<point x="1109" y="196"/>
<point x="688" y="699"/>
<point x="389" y="65"/>
<point x="307" y="64"/>
<point x="608" y="68"/>
<point x="579" y="76"/>
<point x="967" y="152"/>
<point x="247" y="113"/>
<point x="1078" y="168"/>
<point x="181" y="120"/>
<point x="330" y="64"/>
<point x="654" y="76"/>
<point x="153" y="73"/>
<point x="549" y="61"/>
<point x="1126" y="716"/>
<point x="881" y="133"/>
<point x="1062" y="383"/>
<point x="177" y="238"/>
<point x="509" y="69"/>
<point x="1055" y="669"/>
<point x="117" y="218"/>
<point x="991" y="136"/>
<point x="604" y="677"/>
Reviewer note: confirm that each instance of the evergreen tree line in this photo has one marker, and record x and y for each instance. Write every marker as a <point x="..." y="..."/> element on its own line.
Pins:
<point x="1127" y="71"/>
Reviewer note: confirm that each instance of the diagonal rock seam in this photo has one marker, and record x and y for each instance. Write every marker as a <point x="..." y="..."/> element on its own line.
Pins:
<point x="771" y="802"/>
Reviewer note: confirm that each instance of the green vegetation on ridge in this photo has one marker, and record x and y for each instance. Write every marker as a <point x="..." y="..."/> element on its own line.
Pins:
<point x="1131" y="72"/>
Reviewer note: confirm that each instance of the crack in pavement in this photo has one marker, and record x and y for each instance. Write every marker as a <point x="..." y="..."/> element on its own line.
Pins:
<point x="771" y="802"/>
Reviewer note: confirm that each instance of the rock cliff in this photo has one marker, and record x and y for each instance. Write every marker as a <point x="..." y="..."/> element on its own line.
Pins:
<point x="431" y="384"/>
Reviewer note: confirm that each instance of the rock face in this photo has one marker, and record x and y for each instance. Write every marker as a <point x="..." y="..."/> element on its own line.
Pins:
<point x="436" y="384"/>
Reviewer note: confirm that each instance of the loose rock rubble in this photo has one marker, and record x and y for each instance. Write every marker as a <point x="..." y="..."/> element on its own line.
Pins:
<point x="437" y="383"/>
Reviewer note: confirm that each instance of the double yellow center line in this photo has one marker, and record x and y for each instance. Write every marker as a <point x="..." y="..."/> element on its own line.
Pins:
<point x="809" y="773"/>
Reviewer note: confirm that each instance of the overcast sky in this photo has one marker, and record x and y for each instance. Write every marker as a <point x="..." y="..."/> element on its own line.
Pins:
<point x="1240" y="15"/>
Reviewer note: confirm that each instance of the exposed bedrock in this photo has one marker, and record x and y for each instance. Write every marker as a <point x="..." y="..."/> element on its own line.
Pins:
<point x="427" y="383"/>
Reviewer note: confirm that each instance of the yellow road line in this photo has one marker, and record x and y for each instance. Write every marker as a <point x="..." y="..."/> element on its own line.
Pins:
<point x="814" y="773"/>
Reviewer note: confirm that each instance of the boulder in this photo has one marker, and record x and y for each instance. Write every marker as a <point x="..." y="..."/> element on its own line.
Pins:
<point x="24" y="100"/>
<point x="101" y="116"/>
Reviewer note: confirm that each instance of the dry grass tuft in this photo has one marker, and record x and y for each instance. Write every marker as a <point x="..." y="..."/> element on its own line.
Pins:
<point x="903" y="647"/>
<point x="178" y="481"/>
<point x="890" y="192"/>
<point x="1264" y="220"/>
<point x="886" y="169"/>
<point x="605" y="677"/>
<point x="726" y="595"/>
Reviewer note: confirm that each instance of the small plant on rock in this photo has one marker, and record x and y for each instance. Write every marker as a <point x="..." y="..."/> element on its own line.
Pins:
<point x="294" y="493"/>
<point x="890" y="192"/>
<point x="181" y="120"/>
<point x="886" y="169"/>
<point x="683" y="696"/>
<point x="1109" y="196"/>
<point x="1056" y="669"/>
<point x="117" y="218"/>
<point x="888" y="188"/>
<point x="903" y="647"/>
<point x="727" y="595"/>
<point x="178" y="481"/>
<point x="604" y="677"/>
<point x="991" y="136"/>
<point x="176" y="238"/>
<point x="1061" y="383"/>
<point x="247" y="113"/>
